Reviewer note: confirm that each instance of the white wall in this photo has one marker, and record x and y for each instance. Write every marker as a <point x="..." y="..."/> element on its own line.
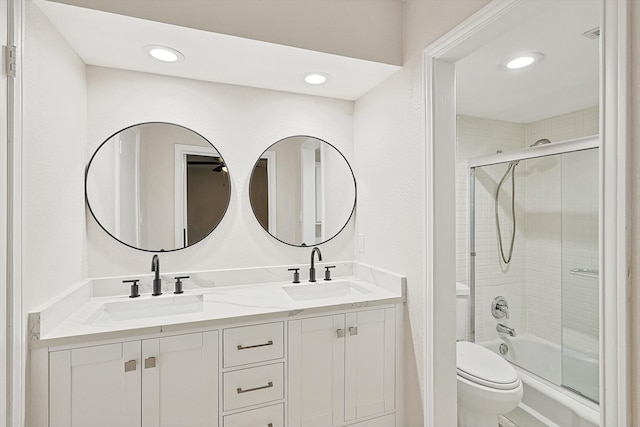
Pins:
<point x="390" y="168"/>
<point x="241" y="123"/>
<point x="390" y="211"/>
<point x="54" y="156"/>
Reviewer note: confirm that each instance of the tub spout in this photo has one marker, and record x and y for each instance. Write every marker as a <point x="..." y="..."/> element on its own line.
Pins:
<point x="504" y="329"/>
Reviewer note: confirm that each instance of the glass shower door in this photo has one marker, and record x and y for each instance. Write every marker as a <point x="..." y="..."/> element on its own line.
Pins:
<point x="580" y="275"/>
<point x="551" y="280"/>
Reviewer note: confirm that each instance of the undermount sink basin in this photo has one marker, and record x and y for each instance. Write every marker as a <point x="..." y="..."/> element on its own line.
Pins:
<point x="320" y="290"/>
<point x="137" y="309"/>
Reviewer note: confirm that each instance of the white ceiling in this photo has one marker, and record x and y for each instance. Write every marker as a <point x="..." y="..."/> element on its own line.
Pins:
<point x="364" y="29"/>
<point x="117" y="41"/>
<point x="565" y="80"/>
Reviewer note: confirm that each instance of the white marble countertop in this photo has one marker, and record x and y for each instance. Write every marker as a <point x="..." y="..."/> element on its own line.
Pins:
<point x="82" y="314"/>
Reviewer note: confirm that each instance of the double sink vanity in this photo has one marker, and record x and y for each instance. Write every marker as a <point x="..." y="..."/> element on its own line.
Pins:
<point x="251" y="347"/>
<point x="237" y="348"/>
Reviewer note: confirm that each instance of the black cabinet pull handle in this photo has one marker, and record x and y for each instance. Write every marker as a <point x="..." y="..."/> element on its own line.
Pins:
<point x="241" y="347"/>
<point x="240" y="390"/>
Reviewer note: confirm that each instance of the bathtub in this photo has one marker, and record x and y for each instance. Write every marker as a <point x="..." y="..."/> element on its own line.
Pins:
<point x="539" y="365"/>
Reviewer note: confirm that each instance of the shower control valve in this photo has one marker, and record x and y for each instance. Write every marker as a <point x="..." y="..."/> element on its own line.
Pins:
<point x="500" y="308"/>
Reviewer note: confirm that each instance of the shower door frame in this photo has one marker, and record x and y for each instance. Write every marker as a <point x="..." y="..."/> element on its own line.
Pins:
<point x="577" y="144"/>
<point x="439" y="90"/>
<point x="545" y="150"/>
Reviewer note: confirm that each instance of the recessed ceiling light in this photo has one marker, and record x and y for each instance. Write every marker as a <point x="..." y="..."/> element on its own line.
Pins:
<point x="524" y="61"/>
<point x="164" y="54"/>
<point x="316" y="78"/>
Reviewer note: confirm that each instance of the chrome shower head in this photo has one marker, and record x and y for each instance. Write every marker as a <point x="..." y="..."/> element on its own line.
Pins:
<point x="540" y="142"/>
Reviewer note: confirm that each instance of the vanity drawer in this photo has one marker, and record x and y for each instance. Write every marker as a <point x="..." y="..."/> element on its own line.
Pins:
<point x="253" y="386"/>
<point x="251" y="344"/>
<point x="271" y="416"/>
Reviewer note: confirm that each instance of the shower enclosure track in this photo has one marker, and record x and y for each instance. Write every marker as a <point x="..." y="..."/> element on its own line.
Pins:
<point x="544" y="150"/>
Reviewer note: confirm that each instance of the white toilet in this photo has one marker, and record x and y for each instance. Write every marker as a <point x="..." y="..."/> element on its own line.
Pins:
<point x="487" y="384"/>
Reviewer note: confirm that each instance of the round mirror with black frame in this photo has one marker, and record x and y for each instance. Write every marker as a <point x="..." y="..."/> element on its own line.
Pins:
<point x="302" y="191"/>
<point x="157" y="186"/>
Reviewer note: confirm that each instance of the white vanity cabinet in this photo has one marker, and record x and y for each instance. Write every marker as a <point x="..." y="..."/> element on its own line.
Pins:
<point x="180" y="381"/>
<point x="336" y="369"/>
<point x="166" y="382"/>
<point x="96" y="386"/>
<point x="342" y="368"/>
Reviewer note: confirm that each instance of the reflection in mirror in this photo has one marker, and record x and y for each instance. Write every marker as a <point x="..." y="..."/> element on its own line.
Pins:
<point x="302" y="191"/>
<point x="157" y="186"/>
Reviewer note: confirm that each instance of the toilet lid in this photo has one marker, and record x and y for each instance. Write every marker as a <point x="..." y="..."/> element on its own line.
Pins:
<point x="482" y="366"/>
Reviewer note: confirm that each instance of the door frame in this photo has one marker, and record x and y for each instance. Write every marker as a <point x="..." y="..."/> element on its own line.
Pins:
<point x="180" y="185"/>
<point x="439" y="83"/>
<point x="5" y="347"/>
<point x="271" y="158"/>
<point x="14" y="335"/>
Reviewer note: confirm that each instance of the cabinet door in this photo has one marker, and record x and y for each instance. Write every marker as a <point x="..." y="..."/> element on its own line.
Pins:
<point x="180" y="381"/>
<point x="370" y="363"/>
<point x="316" y="371"/>
<point x="95" y="386"/>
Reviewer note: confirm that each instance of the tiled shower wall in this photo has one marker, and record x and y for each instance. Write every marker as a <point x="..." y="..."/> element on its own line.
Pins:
<point x="532" y="282"/>
<point x="480" y="137"/>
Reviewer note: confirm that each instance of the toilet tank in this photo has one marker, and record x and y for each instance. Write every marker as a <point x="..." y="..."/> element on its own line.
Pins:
<point x="462" y="312"/>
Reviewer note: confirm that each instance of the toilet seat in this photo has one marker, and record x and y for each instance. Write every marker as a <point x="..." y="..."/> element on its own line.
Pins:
<point x="481" y="366"/>
<point x="487" y="383"/>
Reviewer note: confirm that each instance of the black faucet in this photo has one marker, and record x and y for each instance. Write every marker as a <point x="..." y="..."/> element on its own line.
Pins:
<point x="312" y="270"/>
<point x="157" y="283"/>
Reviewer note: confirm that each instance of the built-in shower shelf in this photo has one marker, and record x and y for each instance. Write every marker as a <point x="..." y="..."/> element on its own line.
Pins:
<point x="585" y="272"/>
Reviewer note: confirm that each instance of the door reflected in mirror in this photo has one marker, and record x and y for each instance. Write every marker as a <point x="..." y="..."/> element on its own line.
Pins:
<point x="302" y="191"/>
<point x="157" y="187"/>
